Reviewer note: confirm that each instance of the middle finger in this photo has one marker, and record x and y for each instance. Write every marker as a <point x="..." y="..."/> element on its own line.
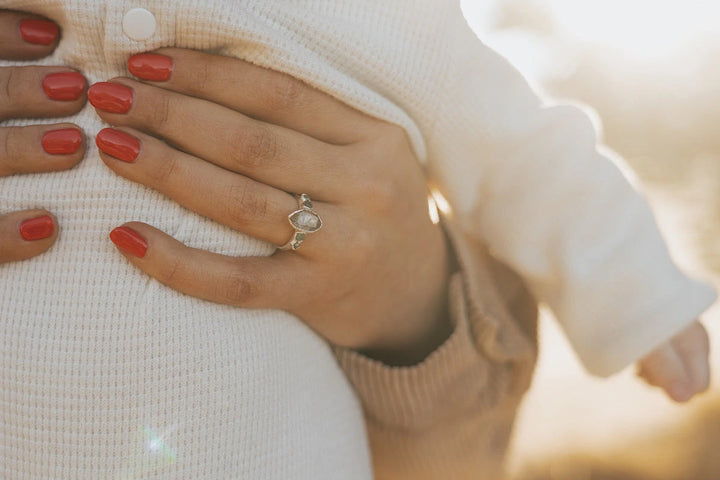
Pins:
<point x="270" y="154"/>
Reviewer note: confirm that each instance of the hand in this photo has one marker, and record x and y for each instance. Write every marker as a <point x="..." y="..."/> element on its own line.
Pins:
<point x="228" y="140"/>
<point x="34" y="92"/>
<point x="680" y="366"/>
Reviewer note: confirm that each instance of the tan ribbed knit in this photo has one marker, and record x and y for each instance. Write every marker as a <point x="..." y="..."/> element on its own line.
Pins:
<point x="451" y="417"/>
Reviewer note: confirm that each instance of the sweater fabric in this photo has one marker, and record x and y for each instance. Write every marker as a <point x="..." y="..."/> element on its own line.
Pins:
<point x="105" y="373"/>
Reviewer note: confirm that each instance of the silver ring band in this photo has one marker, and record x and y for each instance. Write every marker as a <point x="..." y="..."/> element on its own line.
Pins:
<point x="304" y="221"/>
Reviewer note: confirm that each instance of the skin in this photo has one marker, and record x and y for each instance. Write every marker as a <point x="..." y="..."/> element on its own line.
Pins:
<point x="21" y="95"/>
<point x="254" y="136"/>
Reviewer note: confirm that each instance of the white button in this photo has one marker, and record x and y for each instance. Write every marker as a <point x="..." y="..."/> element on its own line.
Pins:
<point x="139" y="24"/>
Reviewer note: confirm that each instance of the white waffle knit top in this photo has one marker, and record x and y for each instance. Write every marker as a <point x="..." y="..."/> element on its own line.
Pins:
<point x="105" y="373"/>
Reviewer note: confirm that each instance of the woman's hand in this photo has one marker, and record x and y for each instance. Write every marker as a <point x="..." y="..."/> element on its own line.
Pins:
<point x="34" y="92"/>
<point x="228" y="140"/>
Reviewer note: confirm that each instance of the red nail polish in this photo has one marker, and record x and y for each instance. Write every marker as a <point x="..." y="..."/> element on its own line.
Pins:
<point x="62" y="142"/>
<point x="39" y="32"/>
<point x="151" y="66"/>
<point x="111" y="97"/>
<point x="118" y="144"/>
<point x="65" y="86"/>
<point x="37" y="228"/>
<point x="128" y="240"/>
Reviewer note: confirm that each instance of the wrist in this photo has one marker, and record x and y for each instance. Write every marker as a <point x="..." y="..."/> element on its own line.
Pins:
<point x="425" y="330"/>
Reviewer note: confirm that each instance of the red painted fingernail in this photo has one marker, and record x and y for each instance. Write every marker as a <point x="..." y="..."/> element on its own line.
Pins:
<point x="118" y="144"/>
<point x="151" y="66"/>
<point x="62" y="142"/>
<point x="111" y="97"/>
<point x="39" y="32"/>
<point x="65" y="86"/>
<point x="37" y="228"/>
<point x="128" y="240"/>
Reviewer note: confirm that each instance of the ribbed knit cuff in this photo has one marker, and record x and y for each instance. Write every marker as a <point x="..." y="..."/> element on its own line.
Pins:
<point x="457" y="374"/>
<point x="416" y="397"/>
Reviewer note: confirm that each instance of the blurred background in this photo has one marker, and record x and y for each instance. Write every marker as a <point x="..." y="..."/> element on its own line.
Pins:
<point x="649" y="70"/>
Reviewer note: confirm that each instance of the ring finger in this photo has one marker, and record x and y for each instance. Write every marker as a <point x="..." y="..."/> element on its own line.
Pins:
<point x="227" y="197"/>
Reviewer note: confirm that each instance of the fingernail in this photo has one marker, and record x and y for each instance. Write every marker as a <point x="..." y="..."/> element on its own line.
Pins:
<point x="118" y="144"/>
<point x="151" y="66"/>
<point x="65" y="86"/>
<point x="37" y="228"/>
<point x="128" y="240"/>
<point x="62" y="142"/>
<point x="39" y="32"/>
<point x="111" y="97"/>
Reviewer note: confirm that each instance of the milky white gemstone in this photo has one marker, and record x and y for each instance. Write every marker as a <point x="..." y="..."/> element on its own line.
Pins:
<point x="306" y="221"/>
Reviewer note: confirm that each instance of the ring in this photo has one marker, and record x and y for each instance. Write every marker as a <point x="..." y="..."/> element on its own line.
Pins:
<point x="304" y="220"/>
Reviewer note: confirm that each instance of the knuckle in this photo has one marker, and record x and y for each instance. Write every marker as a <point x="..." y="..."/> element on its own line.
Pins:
<point x="285" y="92"/>
<point x="12" y="151"/>
<point x="238" y="288"/>
<point x="172" y="274"/>
<point x="166" y="169"/>
<point x="203" y="74"/>
<point x="8" y="85"/>
<point x="246" y="205"/>
<point x="257" y="147"/>
<point x="380" y="194"/>
<point x="364" y="245"/>
<point x="162" y="112"/>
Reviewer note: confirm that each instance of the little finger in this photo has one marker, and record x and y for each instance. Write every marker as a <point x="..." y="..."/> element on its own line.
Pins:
<point x="26" y="234"/>
<point x="250" y="282"/>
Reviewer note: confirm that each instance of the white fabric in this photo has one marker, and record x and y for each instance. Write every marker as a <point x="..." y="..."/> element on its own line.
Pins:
<point x="93" y="353"/>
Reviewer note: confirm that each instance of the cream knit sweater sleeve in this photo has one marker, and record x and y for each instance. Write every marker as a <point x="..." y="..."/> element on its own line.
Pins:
<point x="531" y="180"/>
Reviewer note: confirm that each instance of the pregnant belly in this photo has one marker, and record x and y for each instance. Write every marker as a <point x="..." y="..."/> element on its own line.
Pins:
<point x="107" y="374"/>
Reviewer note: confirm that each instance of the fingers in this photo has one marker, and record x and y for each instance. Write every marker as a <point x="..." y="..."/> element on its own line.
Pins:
<point x="40" y="92"/>
<point x="26" y="234"/>
<point x="693" y="346"/>
<point x="26" y="37"/>
<point x="231" y="199"/>
<point x="260" y="93"/>
<point x="40" y="148"/>
<point x="273" y="155"/>
<point x="254" y="282"/>
<point x="665" y="369"/>
<point x="680" y="366"/>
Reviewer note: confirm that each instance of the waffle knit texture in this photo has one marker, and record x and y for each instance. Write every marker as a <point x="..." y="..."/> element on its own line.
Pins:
<point x="108" y="374"/>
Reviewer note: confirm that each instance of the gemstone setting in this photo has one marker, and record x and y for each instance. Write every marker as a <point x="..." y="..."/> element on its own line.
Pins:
<point x="305" y="221"/>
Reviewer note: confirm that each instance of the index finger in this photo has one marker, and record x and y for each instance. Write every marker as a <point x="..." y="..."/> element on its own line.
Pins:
<point x="257" y="92"/>
<point x="24" y="36"/>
